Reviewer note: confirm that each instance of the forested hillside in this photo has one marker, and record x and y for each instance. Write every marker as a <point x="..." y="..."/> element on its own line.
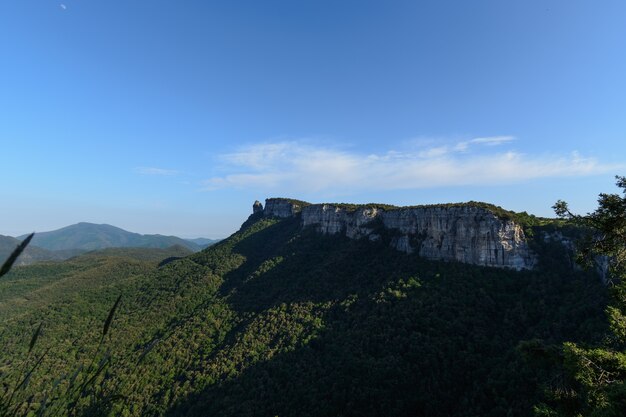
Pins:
<point x="280" y="320"/>
<point x="33" y="254"/>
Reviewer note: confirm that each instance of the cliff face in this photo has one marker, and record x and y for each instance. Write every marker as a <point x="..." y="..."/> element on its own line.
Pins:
<point x="462" y="233"/>
<point x="280" y="207"/>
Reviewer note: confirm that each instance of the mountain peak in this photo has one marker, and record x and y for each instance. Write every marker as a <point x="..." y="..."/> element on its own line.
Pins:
<point x="91" y="236"/>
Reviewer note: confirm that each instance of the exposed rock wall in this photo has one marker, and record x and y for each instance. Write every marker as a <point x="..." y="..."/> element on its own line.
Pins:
<point x="462" y="233"/>
<point x="280" y="207"/>
<point x="330" y="219"/>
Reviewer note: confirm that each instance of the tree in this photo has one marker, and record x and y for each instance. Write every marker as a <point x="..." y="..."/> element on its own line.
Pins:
<point x="597" y="376"/>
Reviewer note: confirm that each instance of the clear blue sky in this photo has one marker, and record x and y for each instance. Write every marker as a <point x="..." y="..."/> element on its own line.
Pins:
<point x="173" y="117"/>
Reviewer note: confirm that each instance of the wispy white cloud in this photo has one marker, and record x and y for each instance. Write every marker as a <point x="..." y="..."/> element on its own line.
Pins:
<point x="493" y="140"/>
<point x="293" y="166"/>
<point x="155" y="171"/>
<point x="486" y="141"/>
<point x="63" y="6"/>
<point x="434" y="152"/>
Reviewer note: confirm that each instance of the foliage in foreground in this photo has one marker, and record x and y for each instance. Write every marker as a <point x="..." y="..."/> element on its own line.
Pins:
<point x="594" y="379"/>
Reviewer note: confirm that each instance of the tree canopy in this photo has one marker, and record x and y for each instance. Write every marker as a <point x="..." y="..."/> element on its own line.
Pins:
<point x="596" y="375"/>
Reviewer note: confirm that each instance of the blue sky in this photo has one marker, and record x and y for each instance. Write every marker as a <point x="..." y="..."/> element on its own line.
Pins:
<point x="173" y="117"/>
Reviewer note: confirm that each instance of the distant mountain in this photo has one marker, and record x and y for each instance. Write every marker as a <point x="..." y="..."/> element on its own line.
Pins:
<point x="203" y="242"/>
<point x="32" y="253"/>
<point x="89" y="236"/>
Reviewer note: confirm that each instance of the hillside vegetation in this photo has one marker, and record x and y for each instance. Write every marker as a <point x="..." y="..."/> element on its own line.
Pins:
<point x="33" y="254"/>
<point x="276" y="320"/>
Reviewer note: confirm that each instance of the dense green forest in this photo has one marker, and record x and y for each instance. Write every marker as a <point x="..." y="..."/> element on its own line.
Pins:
<point x="281" y="321"/>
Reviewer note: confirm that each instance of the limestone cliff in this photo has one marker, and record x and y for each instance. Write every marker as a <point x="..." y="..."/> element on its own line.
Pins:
<point x="282" y="207"/>
<point x="463" y="232"/>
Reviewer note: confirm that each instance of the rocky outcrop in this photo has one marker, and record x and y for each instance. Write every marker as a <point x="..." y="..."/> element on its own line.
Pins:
<point x="331" y="219"/>
<point x="257" y="207"/>
<point x="465" y="233"/>
<point x="281" y="207"/>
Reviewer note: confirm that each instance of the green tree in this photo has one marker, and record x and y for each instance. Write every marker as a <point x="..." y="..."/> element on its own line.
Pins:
<point x="596" y="377"/>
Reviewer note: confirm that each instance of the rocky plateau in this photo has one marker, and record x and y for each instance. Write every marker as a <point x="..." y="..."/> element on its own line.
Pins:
<point x="457" y="232"/>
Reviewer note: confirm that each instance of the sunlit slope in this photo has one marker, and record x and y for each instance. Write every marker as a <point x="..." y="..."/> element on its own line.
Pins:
<point x="34" y="289"/>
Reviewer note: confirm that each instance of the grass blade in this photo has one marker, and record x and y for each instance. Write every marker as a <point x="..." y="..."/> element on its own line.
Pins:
<point x="33" y="340"/>
<point x="26" y="378"/>
<point x="103" y="364"/>
<point x="107" y="322"/>
<point x="105" y="330"/>
<point x="6" y="267"/>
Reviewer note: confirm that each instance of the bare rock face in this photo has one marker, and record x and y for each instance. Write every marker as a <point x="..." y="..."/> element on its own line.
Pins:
<point x="463" y="233"/>
<point x="281" y="207"/>
<point x="257" y="207"/>
<point x="330" y="219"/>
<point x="467" y="234"/>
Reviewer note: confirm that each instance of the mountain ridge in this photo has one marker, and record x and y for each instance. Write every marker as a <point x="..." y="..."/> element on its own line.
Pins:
<point x="473" y="232"/>
<point x="203" y="241"/>
<point x="90" y="236"/>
